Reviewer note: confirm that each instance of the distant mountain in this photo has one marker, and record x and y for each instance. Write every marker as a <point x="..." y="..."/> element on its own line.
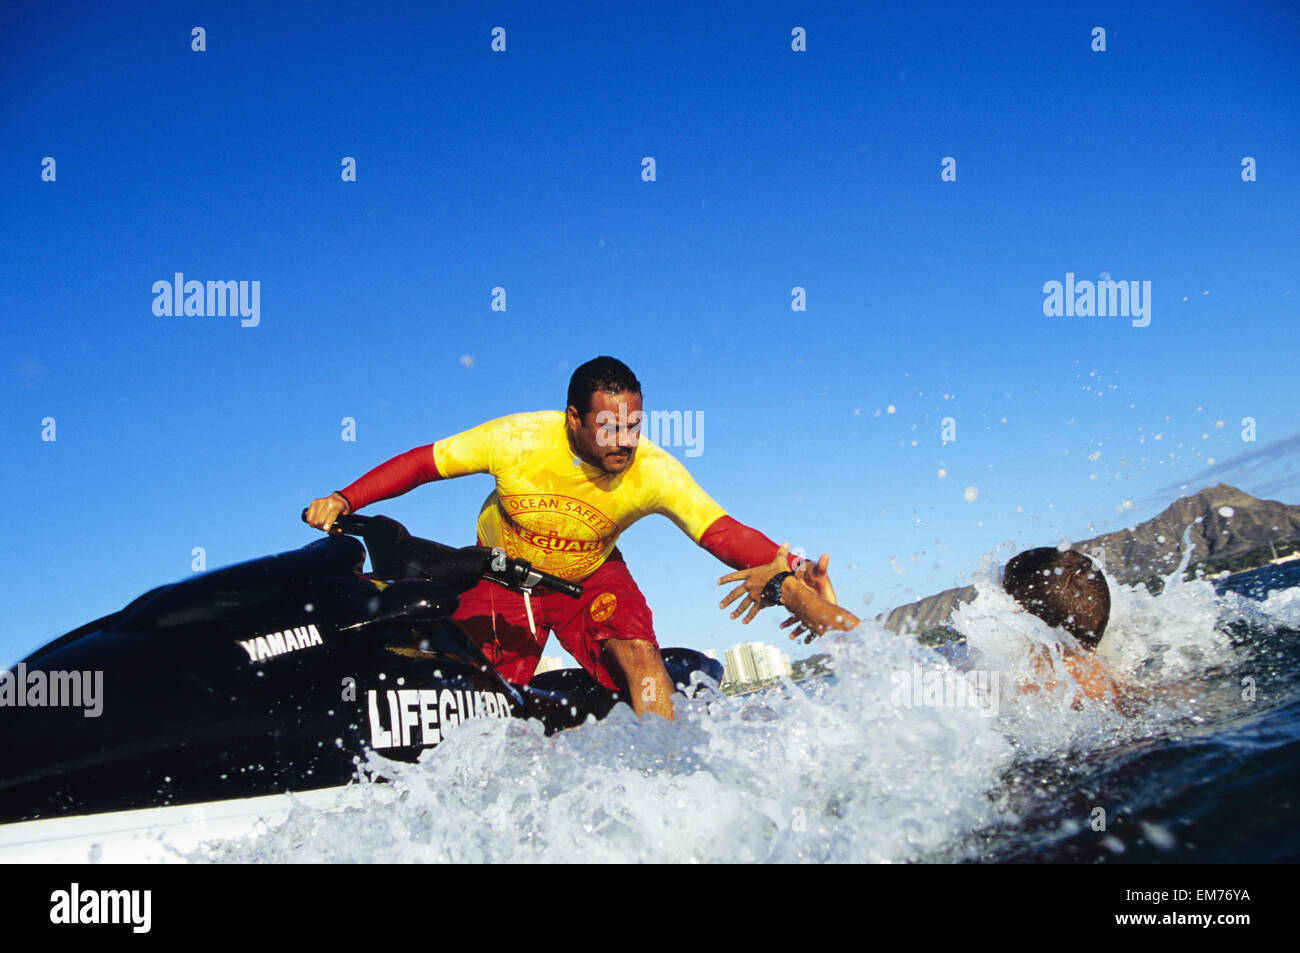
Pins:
<point x="1236" y="531"/>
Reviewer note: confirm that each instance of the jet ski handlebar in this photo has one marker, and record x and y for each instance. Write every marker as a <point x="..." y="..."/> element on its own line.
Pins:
<point x="520" y="574"/>
<point x="380" y="532"/>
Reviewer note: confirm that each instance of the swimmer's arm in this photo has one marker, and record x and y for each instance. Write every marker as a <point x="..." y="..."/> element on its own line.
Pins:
<point x="1131" y="699"/>
<point x="1126" y="703"/>
<point x="1097" y="683"/>
<point x="818" y="614"/>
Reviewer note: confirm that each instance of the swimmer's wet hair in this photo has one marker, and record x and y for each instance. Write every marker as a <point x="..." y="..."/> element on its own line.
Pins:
<point x="1064" y="589"/>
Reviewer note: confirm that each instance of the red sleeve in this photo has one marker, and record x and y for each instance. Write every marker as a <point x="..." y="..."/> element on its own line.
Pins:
<point x="397" y="476"/>
<point x="738" y="545"/>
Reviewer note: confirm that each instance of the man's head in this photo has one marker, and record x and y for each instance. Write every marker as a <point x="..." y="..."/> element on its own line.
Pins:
<point x="604" y="413"/>
<point x="1063" y="589"/>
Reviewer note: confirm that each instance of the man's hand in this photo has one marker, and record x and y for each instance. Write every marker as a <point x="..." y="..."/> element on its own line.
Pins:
<point x="323" y="512"/>
<point x="751" y="585"/>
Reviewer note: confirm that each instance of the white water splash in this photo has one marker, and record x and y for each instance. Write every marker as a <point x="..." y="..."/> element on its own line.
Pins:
<point x="831" y="770"/>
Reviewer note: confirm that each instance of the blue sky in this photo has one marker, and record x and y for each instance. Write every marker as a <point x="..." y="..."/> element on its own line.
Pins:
<point x="522" y="169"/>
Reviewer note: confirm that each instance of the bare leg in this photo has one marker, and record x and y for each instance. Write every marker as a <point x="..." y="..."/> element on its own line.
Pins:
<point x="642" y="669"/>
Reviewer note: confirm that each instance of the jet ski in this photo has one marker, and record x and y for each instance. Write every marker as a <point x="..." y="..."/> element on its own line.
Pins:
<point x="221" y="693"/>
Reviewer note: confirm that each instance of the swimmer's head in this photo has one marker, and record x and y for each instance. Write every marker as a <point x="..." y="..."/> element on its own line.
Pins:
<point x="1064" y="589"/>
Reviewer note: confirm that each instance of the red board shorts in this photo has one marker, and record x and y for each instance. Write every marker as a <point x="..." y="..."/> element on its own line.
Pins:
<point x="611" y="607"/>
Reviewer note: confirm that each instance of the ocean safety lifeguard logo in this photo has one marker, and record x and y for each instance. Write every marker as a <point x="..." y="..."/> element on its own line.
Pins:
<point x="561" y="535"/>
<point x="603" y="606"/>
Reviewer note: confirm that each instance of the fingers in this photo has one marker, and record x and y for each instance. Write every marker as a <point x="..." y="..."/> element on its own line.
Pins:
<point x="322" y="513"/>
<point x="733" y="576"/>
<point x="732" y="596"/>
<point x="814" y="570"/>
<point x="338" y="507"/>
<point x="750" y="604"/>
<point x="800" y="627"/>
<point x="819" y="579"/>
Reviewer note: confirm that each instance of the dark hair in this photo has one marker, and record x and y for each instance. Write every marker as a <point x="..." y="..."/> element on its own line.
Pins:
<point x="1063" y="589"/>
<point x="606" y="374"/>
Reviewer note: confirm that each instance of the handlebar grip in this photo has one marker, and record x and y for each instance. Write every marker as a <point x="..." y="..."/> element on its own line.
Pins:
<point x="348" y="523"/>
<point x="571" y="589"/>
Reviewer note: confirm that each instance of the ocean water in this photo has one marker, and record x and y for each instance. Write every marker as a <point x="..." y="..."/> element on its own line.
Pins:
<point x="904" y="754"/>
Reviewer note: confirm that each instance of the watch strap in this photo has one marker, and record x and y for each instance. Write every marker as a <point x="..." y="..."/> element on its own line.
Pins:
<point x="771" y="595"/>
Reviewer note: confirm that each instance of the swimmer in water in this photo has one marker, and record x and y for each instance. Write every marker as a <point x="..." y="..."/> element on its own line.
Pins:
<point x="1064" y="589"/>
<point x="1067" y="591"/>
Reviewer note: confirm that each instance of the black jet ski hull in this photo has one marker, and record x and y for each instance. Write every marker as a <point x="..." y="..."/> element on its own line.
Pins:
<point x="270" y="676"/>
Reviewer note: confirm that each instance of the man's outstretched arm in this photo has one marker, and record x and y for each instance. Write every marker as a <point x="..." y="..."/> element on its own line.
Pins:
<point x="744" y="548"/>
<point x="739" y="546"/>
<point x="392" y="478"/>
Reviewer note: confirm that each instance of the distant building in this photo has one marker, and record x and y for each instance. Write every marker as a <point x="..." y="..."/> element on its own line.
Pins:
<point x="754" y="663"/>
<point x="548" y="663"/>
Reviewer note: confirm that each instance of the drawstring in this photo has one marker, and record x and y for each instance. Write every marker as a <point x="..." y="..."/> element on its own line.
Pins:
<point x="492" y="612"/>
<point x="528" y="605"/>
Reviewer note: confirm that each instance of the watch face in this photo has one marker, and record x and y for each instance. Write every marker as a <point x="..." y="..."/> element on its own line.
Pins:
<point x="772" y="589"/>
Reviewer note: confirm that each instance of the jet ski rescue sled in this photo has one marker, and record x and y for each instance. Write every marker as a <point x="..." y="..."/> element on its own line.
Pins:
<point x="224" y="691"/>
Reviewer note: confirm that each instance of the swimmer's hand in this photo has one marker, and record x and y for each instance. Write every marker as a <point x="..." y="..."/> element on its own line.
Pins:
<point x="814" y="576"/>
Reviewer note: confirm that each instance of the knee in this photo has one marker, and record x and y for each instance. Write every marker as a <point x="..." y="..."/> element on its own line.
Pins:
<point x="633" y="655"/>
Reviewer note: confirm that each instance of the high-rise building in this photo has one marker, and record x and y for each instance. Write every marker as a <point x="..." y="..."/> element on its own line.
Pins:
<point x="548" y="663"/>
<point x="754" y="662"/>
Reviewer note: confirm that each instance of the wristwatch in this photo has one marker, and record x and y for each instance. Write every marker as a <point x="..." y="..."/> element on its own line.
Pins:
<point x="771" y="595"/>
